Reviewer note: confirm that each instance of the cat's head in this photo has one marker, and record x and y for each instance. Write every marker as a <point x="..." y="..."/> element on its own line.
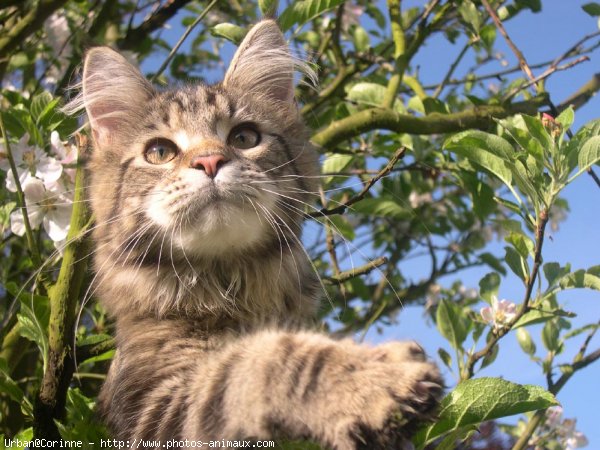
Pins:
<point x="201" y="170"/>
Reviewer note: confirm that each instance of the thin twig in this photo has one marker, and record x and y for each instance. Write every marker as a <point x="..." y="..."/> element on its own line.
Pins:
<point x="594" y="176"/>
<point x="522" y="61"/>
<point x="357" y="271"/>
<point x="383" y="172"/>
<point x="544" y="75"/>
<point x="133" y="38"/>
<point x="182" y="39"/>
<point x="460" y="56"/>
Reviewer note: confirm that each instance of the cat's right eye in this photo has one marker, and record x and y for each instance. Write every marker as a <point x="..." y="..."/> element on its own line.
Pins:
<point x="160" y="151"/>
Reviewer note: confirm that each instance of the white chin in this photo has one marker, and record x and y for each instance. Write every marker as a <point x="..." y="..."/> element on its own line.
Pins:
<point x="221" y="230"/>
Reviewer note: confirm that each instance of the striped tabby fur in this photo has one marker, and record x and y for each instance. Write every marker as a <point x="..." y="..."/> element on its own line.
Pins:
<point x="198" y="259"/>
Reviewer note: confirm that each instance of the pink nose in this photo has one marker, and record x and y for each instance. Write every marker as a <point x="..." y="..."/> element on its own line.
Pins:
<point x="210" y="164"/>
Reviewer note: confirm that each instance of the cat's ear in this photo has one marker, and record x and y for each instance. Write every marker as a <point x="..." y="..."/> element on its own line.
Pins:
<point x="263" y="64"/>
<point x="114" y="93"/>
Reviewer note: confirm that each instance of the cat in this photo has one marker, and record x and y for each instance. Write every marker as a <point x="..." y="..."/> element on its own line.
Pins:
<point x="198" y="195"/>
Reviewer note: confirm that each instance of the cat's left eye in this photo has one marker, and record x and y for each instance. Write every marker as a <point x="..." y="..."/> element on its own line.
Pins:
<point x="160" y="151"/>
<point x="244" y="136"/>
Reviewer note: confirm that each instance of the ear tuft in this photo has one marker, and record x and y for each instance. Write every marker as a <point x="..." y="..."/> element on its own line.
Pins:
<point x="113" y="93"/>
<point x="263" y="64"/>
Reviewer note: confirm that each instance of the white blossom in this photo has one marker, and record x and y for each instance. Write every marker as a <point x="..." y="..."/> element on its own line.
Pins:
<point x="499" y="313"/>
<point x="417" y="200"/>
<point x="30" y="162"/>
<point x="554" y="416"/>
<point x="64" y="154"/>
<point x="467" y="293"/>
<point x="50" y="206"/>
<point x="432" y="297"/>
<point x="563" y="430"/>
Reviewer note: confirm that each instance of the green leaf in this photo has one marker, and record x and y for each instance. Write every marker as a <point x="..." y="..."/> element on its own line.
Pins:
<point x="470" y="14"/>
<point x="33" y="318"/>
<point x="303" y="11"/>
<point x="362" y="42"/>
<point x="445" y="357"/>
<point x="553" y="271"/>
<point x="538" y="132"/>
<point x="341" y="226"/>
<point x="593" y="8"/>
<point x="521" y="244"/>
<point x="534" y="5"/>
<point x="589" y="153"/>
<point x="452" y="323"/>
<point x="482" y="141"/>
<point x="268" y="8"/>
<point x="550" y="336"/>
<point x="525" y="341"/>
<point x="488" y="36"/>
<point x="481" y="399"/>
<point x="382" y="207"/>
<point x="7" y="385"/>
<point x="580" y="279"/>
<point x="39" y="103"/>
<point x="229" y="31"/>
<point x="434" y="105"/>
<point x="518" y="130"/>
<point x="491" y="356"/>
<point x="369" y="94"/>
<point x="484" y="149"/>
<point x="335" y="163"/>
<point x="532" y="317"/>
<point x="566" y="118"/>
<point x="517" y="263"/>
<point x="488" y="286"/>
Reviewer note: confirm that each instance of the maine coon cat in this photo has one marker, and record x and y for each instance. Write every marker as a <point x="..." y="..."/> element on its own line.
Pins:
<point x="197" y="194"/>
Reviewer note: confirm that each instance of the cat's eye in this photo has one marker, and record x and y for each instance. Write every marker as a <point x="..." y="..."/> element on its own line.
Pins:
<point x="244" y="136"/>
<point x="160" y="151"/>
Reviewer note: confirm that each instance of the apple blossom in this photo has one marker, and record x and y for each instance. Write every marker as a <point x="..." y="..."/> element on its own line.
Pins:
<point x="500" y="313"/>
<point x="48" y="206"/>
<point x="30" y="161"/>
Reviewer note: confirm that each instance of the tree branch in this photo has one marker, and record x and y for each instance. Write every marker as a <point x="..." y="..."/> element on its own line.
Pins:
<point x="480" y="117"/>
<point x="50" y="402"/>
<point x="134" y="36"/>
<point x="357" y="271"/>
<point x="29" y="24"/>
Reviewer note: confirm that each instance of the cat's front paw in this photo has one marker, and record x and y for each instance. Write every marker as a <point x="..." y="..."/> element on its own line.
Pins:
<point x="399" y="391"/>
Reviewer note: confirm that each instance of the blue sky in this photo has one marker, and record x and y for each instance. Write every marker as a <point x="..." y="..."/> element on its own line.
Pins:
<point x="540" y="37"/>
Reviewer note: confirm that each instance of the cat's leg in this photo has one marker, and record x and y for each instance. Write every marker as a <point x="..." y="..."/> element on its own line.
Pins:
<point x="344" y="395"/>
